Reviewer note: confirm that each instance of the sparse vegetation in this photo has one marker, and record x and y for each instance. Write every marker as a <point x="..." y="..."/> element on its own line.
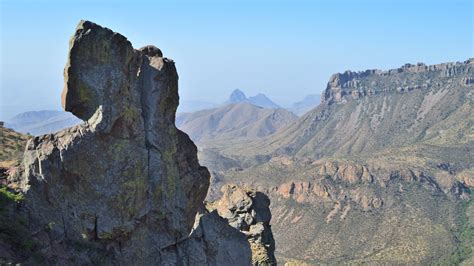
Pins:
<point x="12" y="145"/>
<point x="463" y="235"/>
<point x="7" y="196"/>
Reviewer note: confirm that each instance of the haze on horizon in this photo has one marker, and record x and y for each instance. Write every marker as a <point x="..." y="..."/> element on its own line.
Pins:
<point x="285" y="49"/>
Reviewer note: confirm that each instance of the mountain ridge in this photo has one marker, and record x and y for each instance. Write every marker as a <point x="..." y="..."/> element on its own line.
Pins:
<point x="239" y="120"/>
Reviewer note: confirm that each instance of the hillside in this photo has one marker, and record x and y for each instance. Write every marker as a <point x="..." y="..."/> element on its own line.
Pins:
<point x="380" y="172"/>
<point x="233" y="121"/>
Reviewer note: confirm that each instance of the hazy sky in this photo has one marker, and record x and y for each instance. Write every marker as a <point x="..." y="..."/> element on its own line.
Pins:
<point x="285" y="49"/>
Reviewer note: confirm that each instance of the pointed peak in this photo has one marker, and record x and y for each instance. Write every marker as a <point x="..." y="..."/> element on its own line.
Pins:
<point x="237" y="96"/>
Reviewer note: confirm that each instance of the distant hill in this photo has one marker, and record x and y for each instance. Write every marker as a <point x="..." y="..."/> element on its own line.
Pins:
<point x="238" y="96"/>
<point x="42" y="122"/>
<point x="309" y="102"/>
<point x="238" y="120"/>
<point x="193" y="106"/>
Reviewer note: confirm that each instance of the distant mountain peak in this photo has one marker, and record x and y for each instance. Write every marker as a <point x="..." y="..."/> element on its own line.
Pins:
<point x="260" y="99"/>
<point x="237" y="96"/>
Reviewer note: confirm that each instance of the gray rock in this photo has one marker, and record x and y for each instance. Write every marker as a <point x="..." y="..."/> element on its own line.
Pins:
<point x="248" y="211"/>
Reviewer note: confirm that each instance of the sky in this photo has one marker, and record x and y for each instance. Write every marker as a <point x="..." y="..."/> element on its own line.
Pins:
<point x="285" y="49"/>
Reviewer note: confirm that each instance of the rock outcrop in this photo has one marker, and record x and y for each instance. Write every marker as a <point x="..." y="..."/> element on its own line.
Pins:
<point x="248" y="211"/>
<point x="125" y="186"/>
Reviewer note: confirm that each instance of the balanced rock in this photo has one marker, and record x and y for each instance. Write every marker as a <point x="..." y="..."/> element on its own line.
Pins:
<point x="125" y="186"/>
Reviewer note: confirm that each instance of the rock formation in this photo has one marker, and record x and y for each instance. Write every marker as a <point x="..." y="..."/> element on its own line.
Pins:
<point x="248" y="211"/>
<point x="125" y="186"/>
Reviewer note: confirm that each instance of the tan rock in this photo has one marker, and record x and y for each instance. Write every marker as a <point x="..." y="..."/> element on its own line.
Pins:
<point x="286" y="190"/>
<point x="321" y="191"/>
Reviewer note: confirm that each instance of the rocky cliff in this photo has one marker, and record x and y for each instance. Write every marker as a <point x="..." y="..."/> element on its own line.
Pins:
<point x="354" y="85"/>
<point x="125" y="186"/>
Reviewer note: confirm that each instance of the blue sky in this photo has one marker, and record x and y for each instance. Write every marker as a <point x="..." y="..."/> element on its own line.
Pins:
<point x="285" y="49"/>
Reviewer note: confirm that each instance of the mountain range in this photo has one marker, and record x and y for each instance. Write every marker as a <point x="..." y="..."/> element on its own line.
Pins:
<point x="380" y="172"/>
<point x="49" y="121"/>
<point x="42" y="122"/>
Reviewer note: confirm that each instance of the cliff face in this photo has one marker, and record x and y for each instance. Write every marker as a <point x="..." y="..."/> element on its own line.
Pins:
<point x="354" y="85"/>
<point x="125" y="186"/>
